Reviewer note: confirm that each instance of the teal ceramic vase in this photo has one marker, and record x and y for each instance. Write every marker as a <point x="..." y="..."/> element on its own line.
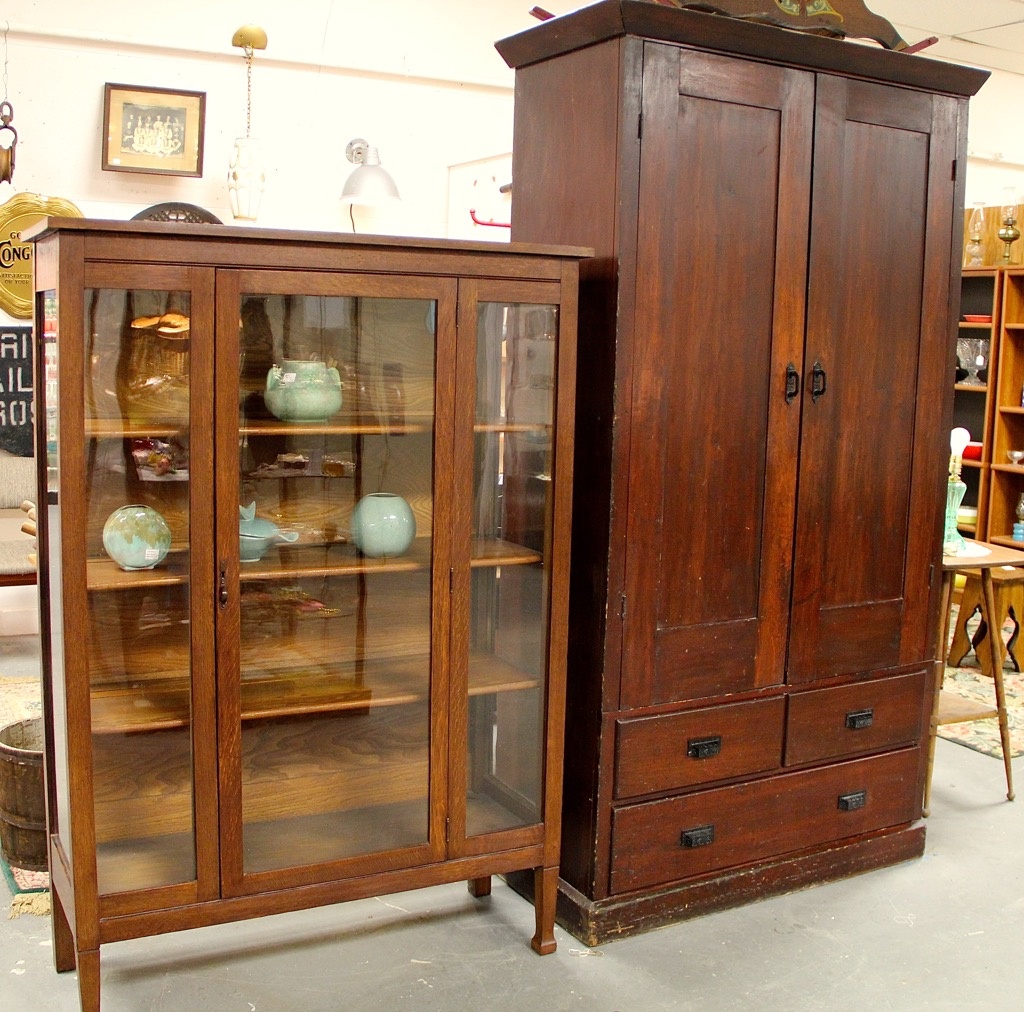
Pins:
<point x="299" y="391"/>
<point x="136" y="537"/>
<point x="383" y="525"/>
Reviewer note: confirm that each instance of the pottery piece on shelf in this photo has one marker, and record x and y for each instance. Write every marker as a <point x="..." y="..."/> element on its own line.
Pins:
<point x="256" y="535"/>
<point x="299" y="391"/>
<point x="383" y="525"/>
<point x="136" y="537"/>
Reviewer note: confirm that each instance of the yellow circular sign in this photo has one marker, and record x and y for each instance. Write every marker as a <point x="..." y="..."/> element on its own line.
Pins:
<point x="16" y="215"/>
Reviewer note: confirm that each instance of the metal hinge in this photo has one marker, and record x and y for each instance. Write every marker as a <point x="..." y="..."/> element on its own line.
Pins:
<point x="451" y="581"/>
<point x="622" y="608"/>
<point x="953" y="177"/>
<point x="640" y="127"/>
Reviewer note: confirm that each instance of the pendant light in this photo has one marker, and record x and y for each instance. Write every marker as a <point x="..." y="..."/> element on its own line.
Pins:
<point x="245" y="168"/>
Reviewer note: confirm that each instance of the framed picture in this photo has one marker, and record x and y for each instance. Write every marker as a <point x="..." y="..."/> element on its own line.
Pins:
<point x="153" y="130"/>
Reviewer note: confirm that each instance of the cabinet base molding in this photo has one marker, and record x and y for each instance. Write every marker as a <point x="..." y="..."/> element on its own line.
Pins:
<point x="595" y="922"/>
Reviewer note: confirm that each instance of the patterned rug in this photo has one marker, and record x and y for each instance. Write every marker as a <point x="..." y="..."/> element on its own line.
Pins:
<point x="30" y="890"/>
<point x="968" y="681"/>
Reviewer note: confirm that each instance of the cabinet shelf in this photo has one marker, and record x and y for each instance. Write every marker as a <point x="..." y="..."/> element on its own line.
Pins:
<point x="971" y="388"/>
<point x="163" y="703"/>
<point x="120" y="428"/>
<point x="288" y="562"/>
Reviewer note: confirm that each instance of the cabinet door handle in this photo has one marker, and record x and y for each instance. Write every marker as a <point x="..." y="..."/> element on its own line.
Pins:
<point x="857" y="720"/>
<point x="792" y="383"/>
<point x="819" y="382"/>
<point x="223" y="593"/>
<point x="704" y="748"/>
<point x="699" y="836"/>
<point x="851" y="802"/>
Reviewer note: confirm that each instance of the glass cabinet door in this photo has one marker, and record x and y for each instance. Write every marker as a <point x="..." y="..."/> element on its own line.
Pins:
<point x="137" y="479"/>
<point x="509" y="514"/>
<point x="333" y="504"/>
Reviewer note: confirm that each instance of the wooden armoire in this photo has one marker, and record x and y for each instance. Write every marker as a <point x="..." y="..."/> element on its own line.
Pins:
<point x="764" y="394"/>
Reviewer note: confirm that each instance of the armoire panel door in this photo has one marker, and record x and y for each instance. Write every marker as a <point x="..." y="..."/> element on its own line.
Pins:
<point x="882" y="190"/>
<point x="721" y="278"/>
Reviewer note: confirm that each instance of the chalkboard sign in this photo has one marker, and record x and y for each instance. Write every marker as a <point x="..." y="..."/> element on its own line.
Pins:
<point x="16" y="390"/>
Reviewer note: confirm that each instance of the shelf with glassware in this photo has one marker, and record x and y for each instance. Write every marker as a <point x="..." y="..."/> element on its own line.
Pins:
<point x="305" y="574"/>
<point x="974" y="389"/>
<point x="1007" y="467"/>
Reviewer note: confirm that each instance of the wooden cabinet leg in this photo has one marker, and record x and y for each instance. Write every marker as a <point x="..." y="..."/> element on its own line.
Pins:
<point x="480" y="887"/>
<point x="63" y="937"/>
<point x="89" y="980"/>
<point x="545" y="896"/>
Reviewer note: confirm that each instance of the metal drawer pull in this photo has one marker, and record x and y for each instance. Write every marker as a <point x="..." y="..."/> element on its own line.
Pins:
<point x="851" y="802"/>
<point x="704" y="748"/>
<point x="699" y="836"/>
<point x="857" y="720"/>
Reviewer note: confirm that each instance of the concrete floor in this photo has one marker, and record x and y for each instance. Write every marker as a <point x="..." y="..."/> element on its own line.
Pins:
<point x="943" y="932"/>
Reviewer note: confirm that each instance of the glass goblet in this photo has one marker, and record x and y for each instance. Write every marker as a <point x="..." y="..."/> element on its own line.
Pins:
<point x="1016" y="456"/>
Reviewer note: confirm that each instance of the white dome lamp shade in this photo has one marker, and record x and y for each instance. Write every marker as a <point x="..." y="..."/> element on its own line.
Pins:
<point x="369" y="183"/>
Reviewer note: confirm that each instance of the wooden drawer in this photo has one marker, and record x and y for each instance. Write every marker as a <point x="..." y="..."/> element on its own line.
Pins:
<point x="663" y="841"/>
<point x="865" y="717"/>
<point x="678" y="750"/>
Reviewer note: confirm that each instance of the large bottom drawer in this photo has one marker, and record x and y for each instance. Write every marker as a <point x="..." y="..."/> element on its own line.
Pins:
<point x="675" y="838"/>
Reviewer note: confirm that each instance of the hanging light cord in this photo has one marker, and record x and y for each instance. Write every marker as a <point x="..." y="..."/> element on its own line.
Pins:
<point x="7" y="28"/>
<point x="248" y="88"/>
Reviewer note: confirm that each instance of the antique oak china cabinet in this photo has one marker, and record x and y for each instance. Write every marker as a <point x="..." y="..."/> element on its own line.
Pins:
<point x="322" y="655"/>
<point x="766" y="389"/>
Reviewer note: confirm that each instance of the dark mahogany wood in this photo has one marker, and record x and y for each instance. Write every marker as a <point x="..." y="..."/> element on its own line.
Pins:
<point x="617" y="18"/>
<point x="759" y="456"/>
<point x="598" y="921"/>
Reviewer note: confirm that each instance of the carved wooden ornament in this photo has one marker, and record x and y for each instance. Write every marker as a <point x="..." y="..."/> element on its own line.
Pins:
<point x="838" y="18"/>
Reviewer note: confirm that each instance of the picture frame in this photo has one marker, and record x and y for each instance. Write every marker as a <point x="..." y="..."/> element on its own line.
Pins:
<point x="156" y="130"/>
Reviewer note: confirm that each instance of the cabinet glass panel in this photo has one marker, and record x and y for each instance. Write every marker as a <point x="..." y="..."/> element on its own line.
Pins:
<point x="336" y="420"/>
<point x="137" y="642"/>
<point x="512" y="510"/>
<point x="47" y="404"/>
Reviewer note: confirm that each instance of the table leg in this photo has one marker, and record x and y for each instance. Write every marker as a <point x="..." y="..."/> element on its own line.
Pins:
<point x="995" y="652"/>
<point x="946" y="601"/>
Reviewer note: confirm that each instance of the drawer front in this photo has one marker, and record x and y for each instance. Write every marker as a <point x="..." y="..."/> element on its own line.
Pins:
<point x="663" y="841"/>
<point x="679" y="750"/>
<point x="865" y="717"/>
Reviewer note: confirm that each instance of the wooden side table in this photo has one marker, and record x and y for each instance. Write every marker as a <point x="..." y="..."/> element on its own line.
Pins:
<point x="947" y="707"/>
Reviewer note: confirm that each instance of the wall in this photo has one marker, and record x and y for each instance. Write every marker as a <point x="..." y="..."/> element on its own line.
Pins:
<point x="421" y="82"/>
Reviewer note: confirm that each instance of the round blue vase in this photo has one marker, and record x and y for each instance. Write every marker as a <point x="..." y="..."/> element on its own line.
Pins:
<point x="136" y="537"/>
<point x="383" y="525"/>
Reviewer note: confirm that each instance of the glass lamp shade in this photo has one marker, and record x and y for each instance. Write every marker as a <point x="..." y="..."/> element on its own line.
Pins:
<point x="246" y="179"/>
<point x="369" y="183"/>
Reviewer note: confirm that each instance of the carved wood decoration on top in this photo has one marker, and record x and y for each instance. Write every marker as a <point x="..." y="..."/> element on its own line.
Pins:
<point x="837" y="18"/>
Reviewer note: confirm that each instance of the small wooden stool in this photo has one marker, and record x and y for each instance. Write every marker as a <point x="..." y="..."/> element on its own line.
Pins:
<point x="1008" y="590"/>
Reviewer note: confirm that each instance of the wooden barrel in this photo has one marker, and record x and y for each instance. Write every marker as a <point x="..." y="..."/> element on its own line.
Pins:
<point x="22" y="798"/>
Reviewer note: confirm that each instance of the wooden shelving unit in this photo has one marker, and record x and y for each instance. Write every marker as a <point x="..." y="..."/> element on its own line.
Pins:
<point x="974" y="406"/>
